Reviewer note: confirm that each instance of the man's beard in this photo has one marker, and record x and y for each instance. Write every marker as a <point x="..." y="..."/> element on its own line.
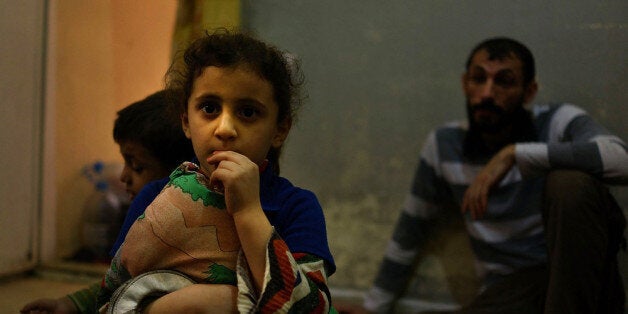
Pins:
<point x="518" y="123"/>
<point x="502" y="119"/>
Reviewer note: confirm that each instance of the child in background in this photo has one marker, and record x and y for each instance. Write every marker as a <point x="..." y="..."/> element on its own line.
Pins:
<point x="152" y="144"/>
<point x="150" y="140"/>
<point x="240" y="99"/>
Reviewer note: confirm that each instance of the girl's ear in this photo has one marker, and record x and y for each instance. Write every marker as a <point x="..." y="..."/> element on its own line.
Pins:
<point x="282" y="133"/>
<point x="185" y="124"/>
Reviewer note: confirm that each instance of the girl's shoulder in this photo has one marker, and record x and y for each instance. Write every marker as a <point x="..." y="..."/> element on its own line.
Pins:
<point x="279" y="193"/>
<point x="298" y="218"/>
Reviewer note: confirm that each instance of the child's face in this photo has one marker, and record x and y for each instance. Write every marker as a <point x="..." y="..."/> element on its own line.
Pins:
<point x="140" y="167"/>
<point x="232" y="109"/>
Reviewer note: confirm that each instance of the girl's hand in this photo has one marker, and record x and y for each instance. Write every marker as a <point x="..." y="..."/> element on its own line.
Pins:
<point x="238" y="177"/>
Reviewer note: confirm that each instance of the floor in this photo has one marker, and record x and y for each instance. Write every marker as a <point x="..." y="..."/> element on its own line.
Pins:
<point x="59" y="279"/>
<point x="52" y="281"/>
<point x="15" y="293"/>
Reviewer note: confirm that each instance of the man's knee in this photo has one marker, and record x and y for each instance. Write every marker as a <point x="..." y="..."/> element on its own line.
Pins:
<point x="571" y="184"/>
<point x="573" y="198"/>
<point x="576" y="196"/>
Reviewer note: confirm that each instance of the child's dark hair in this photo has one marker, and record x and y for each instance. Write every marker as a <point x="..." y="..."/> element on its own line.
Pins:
<point x="224" y="48"/>
<point x="150" y="123"/>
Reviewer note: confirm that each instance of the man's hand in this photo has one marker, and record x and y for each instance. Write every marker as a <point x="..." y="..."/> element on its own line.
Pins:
<point x="476" y="196"/>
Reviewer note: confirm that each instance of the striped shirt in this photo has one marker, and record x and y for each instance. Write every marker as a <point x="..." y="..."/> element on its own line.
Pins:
<point x="510" y="234"/>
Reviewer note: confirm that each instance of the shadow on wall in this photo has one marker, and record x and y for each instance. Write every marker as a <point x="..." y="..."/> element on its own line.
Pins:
<point x="447" y="271"/>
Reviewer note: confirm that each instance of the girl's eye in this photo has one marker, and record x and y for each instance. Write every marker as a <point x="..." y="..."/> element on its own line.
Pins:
<point x="249" y="112"/>
<point x="210" y="108"/>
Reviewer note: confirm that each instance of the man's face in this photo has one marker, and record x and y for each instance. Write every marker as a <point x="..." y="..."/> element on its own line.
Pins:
<point x="494" y="89"/>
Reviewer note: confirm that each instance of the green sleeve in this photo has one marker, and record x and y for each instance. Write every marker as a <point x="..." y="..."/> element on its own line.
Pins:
<point x="85" y="299"/>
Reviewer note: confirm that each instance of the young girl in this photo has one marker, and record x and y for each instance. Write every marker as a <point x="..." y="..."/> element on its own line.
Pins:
<point x="239" y="104"/>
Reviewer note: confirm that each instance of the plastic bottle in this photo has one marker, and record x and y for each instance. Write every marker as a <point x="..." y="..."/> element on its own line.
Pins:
<point x="104" y="211"/>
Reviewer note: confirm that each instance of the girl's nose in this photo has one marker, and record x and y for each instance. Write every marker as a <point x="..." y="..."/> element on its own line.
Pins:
<point x="225" y="130"/>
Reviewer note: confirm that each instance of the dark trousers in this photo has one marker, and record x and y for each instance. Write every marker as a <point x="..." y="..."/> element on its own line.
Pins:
<point x="584" y="229"/>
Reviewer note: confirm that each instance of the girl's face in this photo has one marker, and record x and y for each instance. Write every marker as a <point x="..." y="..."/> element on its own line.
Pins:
<point x="140" y="167"/>
<point x="232" y="109"/>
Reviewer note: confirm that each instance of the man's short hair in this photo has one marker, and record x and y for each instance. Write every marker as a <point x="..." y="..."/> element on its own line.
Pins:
<point x="500" y="48"/>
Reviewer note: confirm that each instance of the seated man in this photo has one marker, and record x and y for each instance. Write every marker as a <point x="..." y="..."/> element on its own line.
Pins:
<point x="530" y="184"/>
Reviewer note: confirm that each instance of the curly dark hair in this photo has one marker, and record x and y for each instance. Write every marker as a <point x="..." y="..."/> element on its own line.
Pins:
<point x="224" y="48"/>
<point x="150" y="123"/>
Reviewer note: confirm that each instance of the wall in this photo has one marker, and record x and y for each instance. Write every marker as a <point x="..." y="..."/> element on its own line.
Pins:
<point x="104" y="55"/>
<point x="21" y="103"/>
<point x="380" y="75"/>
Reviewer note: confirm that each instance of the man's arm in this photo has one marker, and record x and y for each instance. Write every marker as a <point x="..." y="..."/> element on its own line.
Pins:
<point x="576" y="141"/>
<point x="475" y="198"/>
